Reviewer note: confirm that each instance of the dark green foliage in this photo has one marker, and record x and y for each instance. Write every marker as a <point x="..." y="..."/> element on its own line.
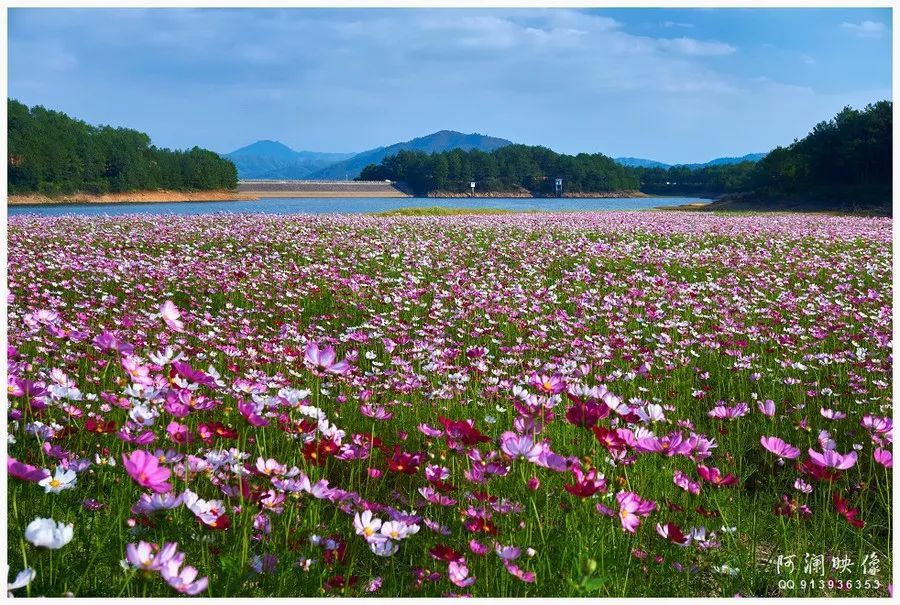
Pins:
<point x="53" y="154"/>
<point x="852" y="149"/>
<point x="848" y="155"/>
<point x="845" y="155"/>
<point x="505" y="169"/>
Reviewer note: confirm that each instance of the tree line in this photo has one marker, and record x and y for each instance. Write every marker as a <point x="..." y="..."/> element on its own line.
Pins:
<point x="505" y="169"/>
<point x="850" y="152"/>
<point x="52" y="153"/>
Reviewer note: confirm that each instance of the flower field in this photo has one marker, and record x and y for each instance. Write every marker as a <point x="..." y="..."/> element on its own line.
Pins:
<point x="610" y="404"/>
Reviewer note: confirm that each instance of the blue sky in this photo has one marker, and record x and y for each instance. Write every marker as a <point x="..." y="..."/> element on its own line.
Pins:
<point x="676" y="85"/>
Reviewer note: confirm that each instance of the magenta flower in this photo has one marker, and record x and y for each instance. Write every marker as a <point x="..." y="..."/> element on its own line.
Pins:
<point x="106" y="341"/>
<point x="631" y="509"/>
<point x="191" y="375"/>
<point x="325" y="360"/>
<point x="832" y="459"/>
<point x="714" y="476"/>
<point x="179" y="433"/>
<point x="251" y="412"/>
<point x="780" y="448"/>
<point x="23" y="471"/>
<point x="145" y="469"/>
<point x="586" y="484"/>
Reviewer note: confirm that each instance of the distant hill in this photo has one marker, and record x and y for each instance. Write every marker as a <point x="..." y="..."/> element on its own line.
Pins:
<point x="274" y="160"/>
<point x="640" y="163"/>
<point x="644" y="163"/>
<point x="444" y="140"/>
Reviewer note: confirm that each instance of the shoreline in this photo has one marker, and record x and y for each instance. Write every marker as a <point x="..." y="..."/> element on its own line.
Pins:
<point x="134" y="197"/>
<point x="161" y="197"/>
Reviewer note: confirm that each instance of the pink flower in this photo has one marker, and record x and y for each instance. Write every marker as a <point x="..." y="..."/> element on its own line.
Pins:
<point x="519" y="445"/>
<point x="631" y="509"/>
<point x="516" y="571"/>
<point x="183" y="580"/>
<point x="179" y="433"/>
<point x="508" y="553"/>
<point x="724" y="412"/>
<point x="683" y="481"/>
<point x="780" y="448"/>
<point x="832" y="459"/>
<point x="832" y="414"/>
<point x="552" y="385"/>
<point x="170" y="314"/>
<point x="145" y="469"/>
<point x="767" y="407"/>
<point x="477" y="547"/>
<point x="459" y="573"/>
<point x="324" y="360"/>
<point x="146" y="556"/>
<point x="430" y="432"/>
<point x="884" y="457"/>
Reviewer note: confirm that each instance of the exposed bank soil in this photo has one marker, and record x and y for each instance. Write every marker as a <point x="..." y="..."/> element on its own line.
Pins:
<point x="134" y="196"/>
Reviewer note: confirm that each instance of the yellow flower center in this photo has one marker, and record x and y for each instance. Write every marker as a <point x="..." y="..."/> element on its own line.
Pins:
<point x="55" y="483"/>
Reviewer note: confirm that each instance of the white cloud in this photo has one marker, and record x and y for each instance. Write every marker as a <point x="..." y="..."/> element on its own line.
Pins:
<point x="339" y="80"/>
<point x="865" y="29"/>
<point x="677" y="24"/>
<point x="690" y="46"/>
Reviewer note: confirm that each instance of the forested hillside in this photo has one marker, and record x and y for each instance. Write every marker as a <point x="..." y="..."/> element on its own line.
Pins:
<point x="51" y="153"/>
<point x="845" y="158"/>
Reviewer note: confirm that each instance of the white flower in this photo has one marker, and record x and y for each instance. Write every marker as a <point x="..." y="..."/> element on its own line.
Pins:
<point x="398" y="530"/>
<point x="49" y="533"/>
<point x="23" y="579"/>
<point x="61" y="479"/>
<point x="143" y="415"/>
<point x="367" y="526"/>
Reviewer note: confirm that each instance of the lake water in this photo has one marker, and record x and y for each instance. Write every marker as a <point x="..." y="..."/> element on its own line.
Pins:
<point x="352" y="205"/>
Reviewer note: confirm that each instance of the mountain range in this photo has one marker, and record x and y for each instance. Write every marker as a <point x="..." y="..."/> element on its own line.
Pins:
<point x="644" y="163"/>
<point x="274" y="160"/>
